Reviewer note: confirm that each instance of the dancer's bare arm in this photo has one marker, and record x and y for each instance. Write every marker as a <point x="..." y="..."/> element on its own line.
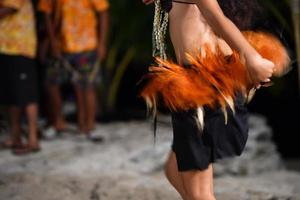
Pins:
<point x="260" y="69"/>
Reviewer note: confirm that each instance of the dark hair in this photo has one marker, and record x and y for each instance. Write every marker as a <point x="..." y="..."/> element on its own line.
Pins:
<point x="243" y="13"/>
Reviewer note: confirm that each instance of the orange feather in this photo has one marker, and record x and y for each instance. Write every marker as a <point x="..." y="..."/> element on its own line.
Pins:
<point x="209" y="80"/>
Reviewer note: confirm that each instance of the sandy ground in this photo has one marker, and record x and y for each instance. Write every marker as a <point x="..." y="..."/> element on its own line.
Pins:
<point x="126" y="166"/>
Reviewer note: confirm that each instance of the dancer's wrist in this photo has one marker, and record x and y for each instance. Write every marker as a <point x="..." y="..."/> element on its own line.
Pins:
<point x="249" y="55"/>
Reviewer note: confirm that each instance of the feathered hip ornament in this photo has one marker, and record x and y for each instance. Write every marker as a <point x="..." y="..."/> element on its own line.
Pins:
<point x="210" y="80"/>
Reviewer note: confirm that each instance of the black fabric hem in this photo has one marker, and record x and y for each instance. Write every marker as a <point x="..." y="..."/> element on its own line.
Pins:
<point x="196" y="149"/>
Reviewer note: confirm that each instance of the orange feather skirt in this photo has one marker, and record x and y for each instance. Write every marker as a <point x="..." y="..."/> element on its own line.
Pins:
<point x="210" y="80"/>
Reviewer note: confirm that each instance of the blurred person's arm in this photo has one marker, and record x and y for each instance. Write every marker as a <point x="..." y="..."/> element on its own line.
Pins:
<point x="46" y="7"/>
<point x="102" y="7"/>
<point x="54" y="44"/>
<point x="102" y="34"/>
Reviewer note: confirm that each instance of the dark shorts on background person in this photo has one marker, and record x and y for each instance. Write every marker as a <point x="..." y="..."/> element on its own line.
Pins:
<point x="196" y="149"/>
<point x="18" y="80"/>
<point x="85" y="68"/>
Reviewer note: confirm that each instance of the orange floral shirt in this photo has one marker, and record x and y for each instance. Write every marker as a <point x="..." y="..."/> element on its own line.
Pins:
<point x="17" y="31"/>
<point x="78" y="26"/>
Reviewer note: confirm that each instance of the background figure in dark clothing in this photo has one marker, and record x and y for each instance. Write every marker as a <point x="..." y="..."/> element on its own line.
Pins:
<point x="18" y="73"/>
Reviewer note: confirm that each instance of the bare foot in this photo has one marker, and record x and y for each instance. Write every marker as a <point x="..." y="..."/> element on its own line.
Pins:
<point x="30" y="148"/>
<point x="10" y="144"/>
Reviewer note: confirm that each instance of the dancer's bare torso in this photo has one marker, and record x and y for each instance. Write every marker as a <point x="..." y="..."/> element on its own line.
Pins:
<point x="189" y="31"/>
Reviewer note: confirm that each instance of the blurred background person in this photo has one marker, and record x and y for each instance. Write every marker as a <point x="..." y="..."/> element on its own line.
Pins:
<point x="77" y="31"/>
<point x="18" y="79"/>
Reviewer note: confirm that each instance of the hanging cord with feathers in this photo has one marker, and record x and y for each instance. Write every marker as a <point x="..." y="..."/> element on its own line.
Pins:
<point x="160" y="25"/>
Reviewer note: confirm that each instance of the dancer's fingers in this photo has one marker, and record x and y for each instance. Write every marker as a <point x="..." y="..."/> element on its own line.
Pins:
<point x="266" y="81"/>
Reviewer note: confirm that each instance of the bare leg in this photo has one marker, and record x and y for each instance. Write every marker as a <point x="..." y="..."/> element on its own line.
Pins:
<point x="55" y="110"/>
<point x="81" y="111"/>
<point x="90" y="104"/>
<point x="198" y="184"/>
<point x="32" y="117"/>
<point x="173" y="175"/>
<point x="15" y="124"/>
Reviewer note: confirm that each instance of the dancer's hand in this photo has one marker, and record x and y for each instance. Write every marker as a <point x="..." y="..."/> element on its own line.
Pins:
<point x="260" y="69"/>
<point x="147" y="2"/>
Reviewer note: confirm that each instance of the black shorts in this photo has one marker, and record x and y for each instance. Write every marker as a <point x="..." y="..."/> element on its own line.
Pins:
<point x="18" y="80"/>
<point x="196" y="149"/>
